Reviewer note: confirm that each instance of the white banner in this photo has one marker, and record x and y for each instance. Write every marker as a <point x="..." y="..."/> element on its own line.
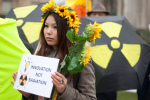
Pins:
<point x="34" y="74"/>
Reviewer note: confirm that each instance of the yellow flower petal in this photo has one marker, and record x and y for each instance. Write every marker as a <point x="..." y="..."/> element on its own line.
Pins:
<point x="86" y="55"/>
<point x="48" y="6"/>
<point x="94" y="31"/>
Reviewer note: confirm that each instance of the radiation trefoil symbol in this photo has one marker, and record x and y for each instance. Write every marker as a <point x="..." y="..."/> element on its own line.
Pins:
<point x="23" y="78"/>
<point x="101" y="54"/>
<point x="30" y="29"/>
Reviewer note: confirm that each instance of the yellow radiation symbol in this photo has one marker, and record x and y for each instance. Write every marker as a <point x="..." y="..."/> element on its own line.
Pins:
<point x="101" y="54"/>
<point x="30" y="29"/>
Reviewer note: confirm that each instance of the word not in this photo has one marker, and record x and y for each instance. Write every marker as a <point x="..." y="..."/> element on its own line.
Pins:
<point x="39" y="74"/>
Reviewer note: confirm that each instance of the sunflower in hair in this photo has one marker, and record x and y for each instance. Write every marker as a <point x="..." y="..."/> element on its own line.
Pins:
<point x="76" y="30"/>
<point x="61" y="10"/>
<point x="72" y="16"/>
<point x="49" y="6"/>
<point x="73" y="21"/>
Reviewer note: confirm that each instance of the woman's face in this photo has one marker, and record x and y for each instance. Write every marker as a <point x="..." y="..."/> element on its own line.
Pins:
<point x="50" y="32"/>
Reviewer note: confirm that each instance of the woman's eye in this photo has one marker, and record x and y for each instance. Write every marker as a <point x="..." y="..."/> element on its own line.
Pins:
<point x="46" y="26"/>
<point x="55" y="26"/>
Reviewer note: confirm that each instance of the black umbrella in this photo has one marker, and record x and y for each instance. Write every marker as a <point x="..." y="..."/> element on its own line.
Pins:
<point x="28" y="23"/>
<point x="120" y="57"/>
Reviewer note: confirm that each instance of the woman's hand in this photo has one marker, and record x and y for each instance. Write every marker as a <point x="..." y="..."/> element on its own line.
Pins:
<point x="27" y="95"/>
<point x="59" y="81"/>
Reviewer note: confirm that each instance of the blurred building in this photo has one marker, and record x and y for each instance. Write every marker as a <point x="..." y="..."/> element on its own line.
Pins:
<point x="136" y="11"/>
<point x="6" y="5"/>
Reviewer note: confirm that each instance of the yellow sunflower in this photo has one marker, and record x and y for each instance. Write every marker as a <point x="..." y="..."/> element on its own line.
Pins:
<point x="62" y="10"/>
<point x="49" y="6"/>
<point x="94" y="31"/>
<point x="86" y="55"/>
<point x="73" y="21"/>
<point x="71" y="16"/>
<point x="42" y="19"/>
<point x="76" y="30"/>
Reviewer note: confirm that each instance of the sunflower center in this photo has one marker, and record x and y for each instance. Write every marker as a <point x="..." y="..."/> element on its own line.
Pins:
<point x="115" y="44"/>
<point x="72" y="17"/>
<point x="62" y="10"/>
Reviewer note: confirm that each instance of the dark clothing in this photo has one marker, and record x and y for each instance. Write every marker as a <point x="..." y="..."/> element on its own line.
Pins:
<point x="107" y="96"/>
<point x="142" y="93"/>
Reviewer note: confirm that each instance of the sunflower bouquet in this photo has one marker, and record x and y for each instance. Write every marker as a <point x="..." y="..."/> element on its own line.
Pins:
<point x="79" y="54"/>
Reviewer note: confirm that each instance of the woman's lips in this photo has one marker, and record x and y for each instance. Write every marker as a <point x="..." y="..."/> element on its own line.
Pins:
<point x="49" y="39"/>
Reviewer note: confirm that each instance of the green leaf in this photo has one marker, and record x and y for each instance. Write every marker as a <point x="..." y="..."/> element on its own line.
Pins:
<point x="84" y="35"/>
<point x="86" y="32"/>
<point x="71" y="35"/>
<point x="76" y="50"/>
<point x="64" y="64"/>
<point x="80" y="38"/>
<point x="77" y="69"/>
<point x="70" y="9"/>
<point x="73" y="64"/>
<point x="44" y="15"/>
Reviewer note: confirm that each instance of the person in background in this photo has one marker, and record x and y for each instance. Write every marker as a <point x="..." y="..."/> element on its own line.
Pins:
<point x="97" y="11"/>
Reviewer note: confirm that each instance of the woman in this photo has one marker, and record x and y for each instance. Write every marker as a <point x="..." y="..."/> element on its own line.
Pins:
<point x="54" y="43"/>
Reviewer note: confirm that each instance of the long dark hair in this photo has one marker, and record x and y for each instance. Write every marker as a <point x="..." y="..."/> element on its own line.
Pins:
<point x="63" y="42"/>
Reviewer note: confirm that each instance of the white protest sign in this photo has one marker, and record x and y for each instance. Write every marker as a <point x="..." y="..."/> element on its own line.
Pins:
<point x="34" y="74"/>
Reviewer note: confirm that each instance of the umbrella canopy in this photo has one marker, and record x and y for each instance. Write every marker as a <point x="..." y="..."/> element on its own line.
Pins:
<point x="28" y="23"/>
<point x="120" y="57"/>
<point x="11" y="51"/>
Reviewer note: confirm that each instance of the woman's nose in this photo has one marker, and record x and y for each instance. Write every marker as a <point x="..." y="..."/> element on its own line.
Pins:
<point x="49" y="30"/>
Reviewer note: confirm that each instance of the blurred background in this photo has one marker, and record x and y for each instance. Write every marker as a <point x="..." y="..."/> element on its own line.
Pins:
<point x="136" y="11"/>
